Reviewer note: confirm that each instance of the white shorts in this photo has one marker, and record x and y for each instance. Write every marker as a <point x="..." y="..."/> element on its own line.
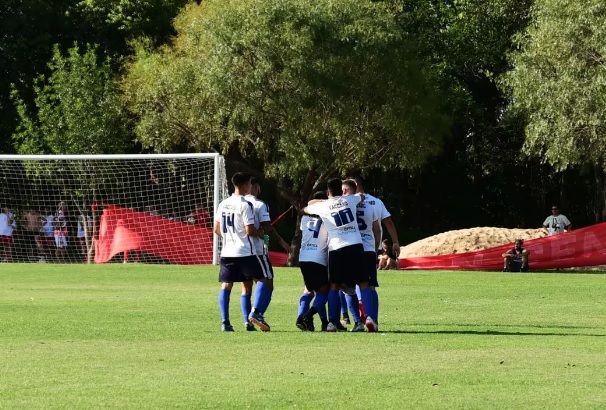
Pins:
<point x="61" y="241"/>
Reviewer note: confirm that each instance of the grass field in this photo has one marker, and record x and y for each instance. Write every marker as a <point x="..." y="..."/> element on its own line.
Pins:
<point x="138" y="336"/>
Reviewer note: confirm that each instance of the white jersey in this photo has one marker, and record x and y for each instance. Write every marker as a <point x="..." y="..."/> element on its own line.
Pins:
<point x="367" y="212"/>
<point x="314" y="241"/>
<point x="339" y="216"/>
<point x="6" y="229"/>
<point x="261" y="212"/>
<point x="48" y="226"/>
<point x="383" y="212"/>
<point x="233" y="215"/>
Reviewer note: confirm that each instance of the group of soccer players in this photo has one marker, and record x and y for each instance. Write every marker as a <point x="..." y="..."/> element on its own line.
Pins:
<point x="341" y="231"/>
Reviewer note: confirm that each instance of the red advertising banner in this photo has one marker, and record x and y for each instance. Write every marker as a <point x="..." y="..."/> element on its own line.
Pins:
<point x="123" y="229"/>
<point x="583" y="247"/>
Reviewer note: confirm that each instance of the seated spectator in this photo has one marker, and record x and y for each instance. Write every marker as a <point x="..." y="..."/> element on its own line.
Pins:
<point x="387" y="259"/>
<point x="516" y="259"/>
<point x="7" y="226"/>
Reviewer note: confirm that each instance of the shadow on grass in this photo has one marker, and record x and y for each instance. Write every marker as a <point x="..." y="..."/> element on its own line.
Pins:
<point x="489" y="333"/>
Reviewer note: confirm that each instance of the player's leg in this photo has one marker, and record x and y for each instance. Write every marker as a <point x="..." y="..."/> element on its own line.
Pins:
<point x="229" y="272"/>
<point x="337" y="276"/>
<point x="507" y="263"/>
<point x="261" y="271"/>
<point x="246" y="304"/>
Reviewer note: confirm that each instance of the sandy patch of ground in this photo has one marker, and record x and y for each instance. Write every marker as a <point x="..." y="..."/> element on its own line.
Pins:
<point x="467" y="240"/>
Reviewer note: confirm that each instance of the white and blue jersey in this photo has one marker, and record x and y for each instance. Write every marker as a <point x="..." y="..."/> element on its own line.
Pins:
<point x="367" y="212"/>
<point x="234" y="214"/>
<point x="339" y="216"/>
<point x="261" y="214"/>
<point x="314" y="240"/>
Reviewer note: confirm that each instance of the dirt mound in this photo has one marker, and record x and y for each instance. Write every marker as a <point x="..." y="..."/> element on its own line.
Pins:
<point x="467" y="240"/>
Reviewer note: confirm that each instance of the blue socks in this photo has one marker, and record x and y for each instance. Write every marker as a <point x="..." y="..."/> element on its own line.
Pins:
<point x="320" y="305"/>
<point x="368" y="301"/>
<point x="245" y="304"/>
<point x="354" y="307"/>
<point x="262" y="297"/>
<point x="304" y="302"/>
<point x="375" y="306"/>
<point x="224" y="295"/>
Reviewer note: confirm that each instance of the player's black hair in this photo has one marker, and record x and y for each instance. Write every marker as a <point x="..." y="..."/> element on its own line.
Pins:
<point x="254" y="180"/>
<point x="334" y="186"/>
<point x="320" y="195"/>
<point x="520" y="241"/>
<point x="351" y="183"/>
<point x="240" y="178"/>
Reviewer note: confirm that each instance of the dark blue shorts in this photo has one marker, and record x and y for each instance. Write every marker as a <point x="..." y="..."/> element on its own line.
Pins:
<point x="244" y="268"/>
<point x="370" y="265"/>
<point x="315" y="275"/>
<point x="346" y="265"/>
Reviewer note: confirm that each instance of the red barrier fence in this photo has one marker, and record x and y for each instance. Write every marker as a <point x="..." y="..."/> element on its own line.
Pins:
<point x="583" y="247"/>
<point x="123" y="229"/>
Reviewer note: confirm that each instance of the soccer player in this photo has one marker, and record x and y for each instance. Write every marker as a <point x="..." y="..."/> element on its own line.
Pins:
<point x="60" y="232"/>
<point x="235" y="224"/>
<point x="345" y="249"/>
<point x="367" y="215"/>
<point x="265" y="285"/>
<point x="313" y="261"/>
<point x="385" y="218"/>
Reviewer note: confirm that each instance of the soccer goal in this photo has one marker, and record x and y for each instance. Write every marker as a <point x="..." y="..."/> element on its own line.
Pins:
<point x="110" y="208"/>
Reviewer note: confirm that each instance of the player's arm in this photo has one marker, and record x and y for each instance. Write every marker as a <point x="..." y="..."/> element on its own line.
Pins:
<point x="508" y="253"/>
<point x="256" y="232"/>
<point x="218" y="229"/>
<point x="391" y="228"/>
<point x="376" y="231"/>
<point x="269" y="229"/>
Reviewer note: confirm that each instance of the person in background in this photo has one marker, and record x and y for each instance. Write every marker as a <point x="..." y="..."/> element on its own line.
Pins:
<point x="556" y="222"/>
<point x="387" y="259"/>
<point x="60" y="231"/>
<point x="46" y="240"/>
<point x="516" y="259"/>
<point x="7" y="226"/>
<point x="83" y="232"/>
<point x="33" y="225"/>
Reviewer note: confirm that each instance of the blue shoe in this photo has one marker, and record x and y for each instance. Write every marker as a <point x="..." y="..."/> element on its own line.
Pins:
<point x="258" y="320"/>
<point x="227" y="328"/>
<point x="250" y="327"/>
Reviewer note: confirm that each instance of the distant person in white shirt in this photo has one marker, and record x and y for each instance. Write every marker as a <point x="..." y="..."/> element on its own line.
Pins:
<point x="345" y="250"/>
<point x="235" y="225"/>
<point x="7" y="225"/>
<point x="556" y="222"/>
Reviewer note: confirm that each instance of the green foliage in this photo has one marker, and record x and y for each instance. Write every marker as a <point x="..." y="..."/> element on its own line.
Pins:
<point x="330" y="85"/>
<point x="558" y="81"/>
<point x="78" y="109"/>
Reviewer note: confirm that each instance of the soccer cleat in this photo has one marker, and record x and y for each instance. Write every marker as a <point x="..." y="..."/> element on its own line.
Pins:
<point x="258" y="320"/>
<point x="335" y="327"/>
<point x="227" y="328"/>
<point x="301" y="323"/>
<point x="345" y="320"/>
<point x="308" y="323"/>
<point x="371" y="326"/>
<point x="358" y="327"/>
<point x="250" y="327"/>
<point x="331" y="328"/>
<point x="324" y="325"/>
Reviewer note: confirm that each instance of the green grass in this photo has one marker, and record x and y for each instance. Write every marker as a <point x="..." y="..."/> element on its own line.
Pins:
<point x="138" y="336"/>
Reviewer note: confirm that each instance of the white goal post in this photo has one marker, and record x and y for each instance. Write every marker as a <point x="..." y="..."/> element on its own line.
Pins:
<point x="153" y="208"/>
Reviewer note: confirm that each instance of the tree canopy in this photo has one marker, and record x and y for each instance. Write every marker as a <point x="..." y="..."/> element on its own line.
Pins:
<point x="326" y="86"/>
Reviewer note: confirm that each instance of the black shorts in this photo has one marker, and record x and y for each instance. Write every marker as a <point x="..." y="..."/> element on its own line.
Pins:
<point x="315" y="275"/>
<point x="346" y="265"/>
<point x="244" y="268"/>
<point x="370" y="266"/>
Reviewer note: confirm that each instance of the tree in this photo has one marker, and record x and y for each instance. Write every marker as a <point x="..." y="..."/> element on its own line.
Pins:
<point x="310" y="89"/>
<point x="558" y="83"/>
<point x="78" y="109"/>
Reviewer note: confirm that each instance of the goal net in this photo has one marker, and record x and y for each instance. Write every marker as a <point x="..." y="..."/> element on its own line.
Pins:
<point x="110" y="208"/>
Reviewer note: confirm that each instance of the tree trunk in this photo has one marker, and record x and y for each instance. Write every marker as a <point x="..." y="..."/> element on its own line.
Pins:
<point x="600" y="192"/>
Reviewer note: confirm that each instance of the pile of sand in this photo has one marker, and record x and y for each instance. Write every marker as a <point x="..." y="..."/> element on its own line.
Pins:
<point x="467" y="240"/>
